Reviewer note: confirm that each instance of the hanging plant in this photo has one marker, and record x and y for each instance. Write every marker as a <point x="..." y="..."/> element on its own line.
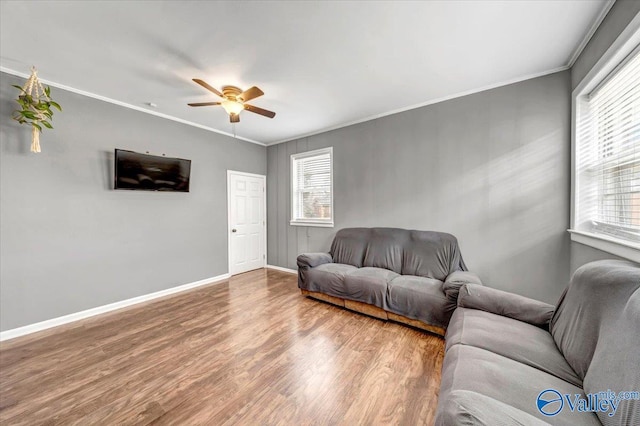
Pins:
<point x="35" y="108"/>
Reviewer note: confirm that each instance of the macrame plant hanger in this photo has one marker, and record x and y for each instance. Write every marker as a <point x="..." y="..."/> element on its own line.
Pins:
<point x="34" y="88"/>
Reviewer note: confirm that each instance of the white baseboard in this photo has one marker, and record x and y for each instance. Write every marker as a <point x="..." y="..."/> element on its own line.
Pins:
<point x="54" y="322"/>
<point x="281" y="269"/>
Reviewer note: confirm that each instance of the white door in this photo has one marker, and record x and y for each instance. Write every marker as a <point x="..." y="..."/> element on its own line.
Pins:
<point x="247" y="221"/>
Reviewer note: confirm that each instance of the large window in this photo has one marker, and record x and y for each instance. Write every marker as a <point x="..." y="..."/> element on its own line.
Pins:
<point x="312" y="188"/>
<point x="607" y="160"/>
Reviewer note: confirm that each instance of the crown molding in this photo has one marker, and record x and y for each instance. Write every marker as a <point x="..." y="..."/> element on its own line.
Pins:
<point x="592" y="30"/>
<point x="313" y="133"/>
<point x="427" y="103"/>
<point x="126" y="105"/>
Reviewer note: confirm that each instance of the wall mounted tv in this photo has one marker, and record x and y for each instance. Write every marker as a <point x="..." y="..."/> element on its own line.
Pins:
<point x="146" y="172"/>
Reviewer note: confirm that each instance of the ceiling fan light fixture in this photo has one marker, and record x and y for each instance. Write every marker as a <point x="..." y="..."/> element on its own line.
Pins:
<point x="233" y="100"/>
<point x="232" y="107"/>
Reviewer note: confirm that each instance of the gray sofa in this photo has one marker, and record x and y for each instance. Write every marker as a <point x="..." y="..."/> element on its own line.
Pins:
<point x="407" y="276"/>
<point x="504" y="351"/>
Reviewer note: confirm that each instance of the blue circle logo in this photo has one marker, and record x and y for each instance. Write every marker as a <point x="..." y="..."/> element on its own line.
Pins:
<point x="550" y="402"/>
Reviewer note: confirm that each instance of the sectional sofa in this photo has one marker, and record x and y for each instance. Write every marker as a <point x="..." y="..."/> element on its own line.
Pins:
<point x="514" y="360"/>
<point x="509" y="359"/>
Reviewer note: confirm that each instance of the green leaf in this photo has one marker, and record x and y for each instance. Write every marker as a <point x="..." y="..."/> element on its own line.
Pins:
<point x="47" y="124"/>
<point x="47" y="91"/>
<point x="29" y="114"/>
<point x="19" y="88"/>
<point x="55" y="104"/>
<point x="36" y="126"/>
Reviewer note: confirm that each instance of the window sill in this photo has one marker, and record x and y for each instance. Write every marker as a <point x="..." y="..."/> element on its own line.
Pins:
<point x="311" y="223"/>
<point x="625" y="249"/>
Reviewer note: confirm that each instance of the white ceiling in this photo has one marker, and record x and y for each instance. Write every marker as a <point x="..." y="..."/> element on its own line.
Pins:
<point x="321" y="64"/>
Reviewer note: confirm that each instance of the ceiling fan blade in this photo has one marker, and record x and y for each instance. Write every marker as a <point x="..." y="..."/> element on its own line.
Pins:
<point x="196" y="104"/>
<point x="234" y="118"/>
<point x="260" y="111"/>
<point x="206" y="86"/>
<point x="249" y="94"/>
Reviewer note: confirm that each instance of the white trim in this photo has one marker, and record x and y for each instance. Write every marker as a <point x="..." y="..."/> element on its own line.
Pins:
<point x="304" y="135"/>
<point x="310" y="222"/>
<point x="610" y="245"/>
<point x="264" y="216"/>
<point x="423" y="104"/>
<point x="126" y="105"/>
<point x="281" y="269"/>
<point x="623" y="45"/>
<point x="54" y="322"/>
<point x="592" y="30"/>
<point x="619" y="49"/>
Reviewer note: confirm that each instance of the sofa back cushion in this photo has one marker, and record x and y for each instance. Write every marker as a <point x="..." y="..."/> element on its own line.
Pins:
<point x="350" y="245"/>
<point x="432" y="254"/>
<point x="595" y="308"/>
<point x="385" y="248"/>
<point x="615" y="364"/>
<point x="421" y="253"/>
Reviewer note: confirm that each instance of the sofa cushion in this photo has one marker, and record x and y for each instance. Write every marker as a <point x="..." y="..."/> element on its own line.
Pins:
<point x="368" y="285"/>
<point x="350" y="245"/>
<point x="616" y="360"/>
<point x="469" y="368"/>
<point x="466" y="408"/>
<point x="590" y="308"/>
<point x="385" y="248"/>
<point x="510" y="338"/>
<point x="327" y="278"/>
<point x="407" y="252"/>
<point x="431" y="254"/>
<point x="418" y="298"/>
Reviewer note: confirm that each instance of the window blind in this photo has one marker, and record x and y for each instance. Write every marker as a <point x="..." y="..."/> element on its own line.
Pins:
<point x="608" y="155"/>
<point x="311" y="197"/>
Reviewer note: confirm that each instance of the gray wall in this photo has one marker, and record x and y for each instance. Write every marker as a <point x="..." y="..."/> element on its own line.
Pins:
<point x="622" y="12"/>
<point x="491" y="168"/>
<point x="69" y="242"/>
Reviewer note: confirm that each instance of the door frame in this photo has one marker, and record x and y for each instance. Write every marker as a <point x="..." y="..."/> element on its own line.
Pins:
<point x="264" y="214"/>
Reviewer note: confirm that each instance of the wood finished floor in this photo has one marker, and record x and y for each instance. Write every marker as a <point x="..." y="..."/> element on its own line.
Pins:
<point x="250" y="350"/>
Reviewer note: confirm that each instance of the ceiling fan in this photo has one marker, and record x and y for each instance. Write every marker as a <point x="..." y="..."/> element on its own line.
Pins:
<point x="233" y="100"/>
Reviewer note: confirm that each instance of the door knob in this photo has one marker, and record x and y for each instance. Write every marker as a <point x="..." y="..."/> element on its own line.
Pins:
<point x="234" y="230"/>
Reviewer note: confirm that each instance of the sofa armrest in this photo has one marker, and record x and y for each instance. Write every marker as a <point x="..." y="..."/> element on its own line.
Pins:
<point x="311" y="260"/>
<point x="457" y="279"/>
<point x="506" y="304"/>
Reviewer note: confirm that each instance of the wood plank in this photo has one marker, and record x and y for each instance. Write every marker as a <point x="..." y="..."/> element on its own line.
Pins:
<point x="249" y="351"/>
<point x="366" y="308"/>
<point x="416" y="323"/>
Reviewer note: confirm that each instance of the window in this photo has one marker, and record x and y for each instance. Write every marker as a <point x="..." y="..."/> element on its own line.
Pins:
<point x="607" y="160"/>
<point x="312" y="188"/>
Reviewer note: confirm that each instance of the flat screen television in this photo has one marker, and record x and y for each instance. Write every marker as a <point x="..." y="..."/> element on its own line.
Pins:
<point x="144" y="172"/>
